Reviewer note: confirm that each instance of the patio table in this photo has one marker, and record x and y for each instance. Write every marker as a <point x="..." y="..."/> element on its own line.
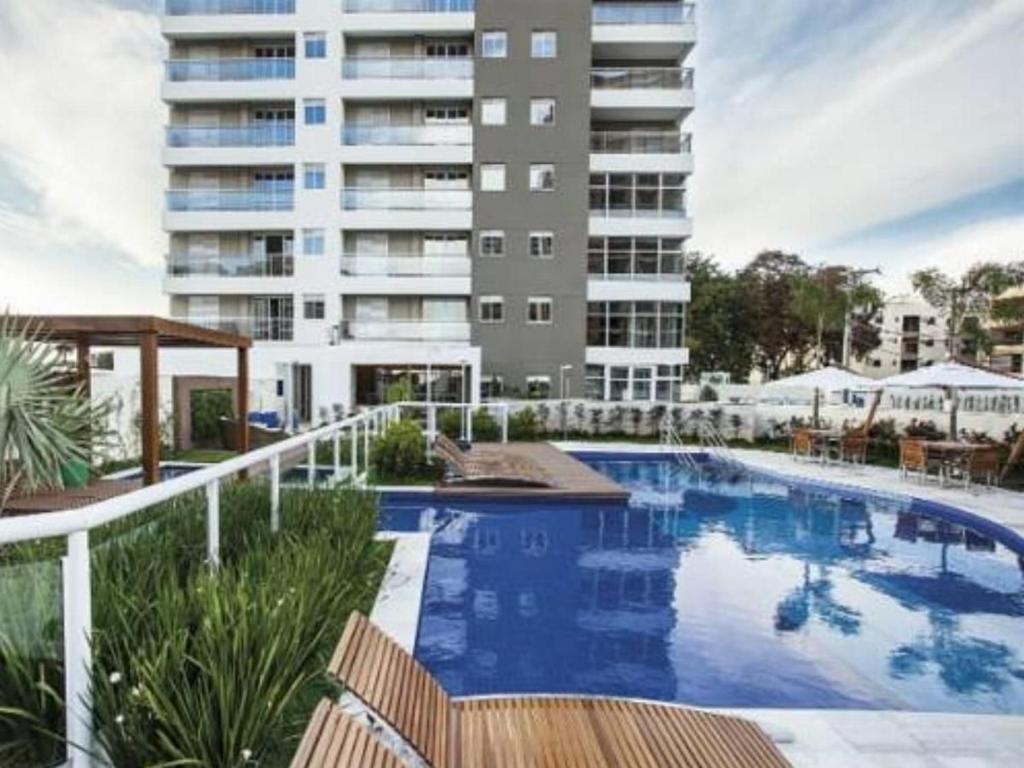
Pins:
<point x="825" y="440"/>
<point x="951" y="454"/>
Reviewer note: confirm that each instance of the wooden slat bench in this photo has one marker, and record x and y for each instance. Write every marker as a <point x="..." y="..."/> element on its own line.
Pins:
<point x="335" y="739"/>
<point x="535" y="732"/>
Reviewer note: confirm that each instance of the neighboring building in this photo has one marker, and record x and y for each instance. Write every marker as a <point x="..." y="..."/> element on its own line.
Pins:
<point x="913" y="335"/>
<point x="1007" y="354"/>
<point x="378" y="188"/>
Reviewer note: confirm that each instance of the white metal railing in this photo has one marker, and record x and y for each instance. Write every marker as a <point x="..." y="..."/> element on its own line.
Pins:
<point x="644" y="13"/>
<point x="227" y="69"/>
<point x="671" y="439"/>
<point x="639" y="142"/>
<point x="231" y="265"/>
<point x="355" y="134"/>
<point x="258" y="328"/>
<point x="76" y="524"/>
<point x="404" y="330"/>
<point x="409" y="6"/>
<point x="406" y="265"/>
<point x="405" y="199"/>
<point x="407" y="67"/>
<point x="218" y="7"/>
<point x="272" y="134"/>
<point x="631" y="78"/>
<point x="276" y="197"/>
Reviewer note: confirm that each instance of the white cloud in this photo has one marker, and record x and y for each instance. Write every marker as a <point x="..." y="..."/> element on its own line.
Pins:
<point x="80" y="84"/>
<point x="806" y="138"/>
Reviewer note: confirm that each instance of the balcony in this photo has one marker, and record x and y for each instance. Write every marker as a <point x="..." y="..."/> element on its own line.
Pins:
<point x="407" y="68"/>
<point x="409" y="6"/>
<point x="405" y="265"/>
<point x="220" y="70"/>
<point x="234" y="265"/>
<point x="644" y="13"/>
<point x="228" y="7"/>
<point x="276" y="198"/>
<point x="407" y="135"/>
<point x="648" y="93"/>
<point x="649" y="151"/>
<point x="403" y="199"/>
<point x="281" y="134"/>
<point x="404" y="330"/>
<point x="256" y="328"/>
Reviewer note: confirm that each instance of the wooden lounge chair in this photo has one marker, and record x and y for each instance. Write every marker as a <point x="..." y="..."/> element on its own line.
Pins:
<point x="914" y="459"/>
<point x="492" y="470"/>
<point x="333" y="738"/>
<point x="979" y="463"/>
<point x="535" y="731"/>
<point x="853" y="447"/>
<point x="803" y="445"/>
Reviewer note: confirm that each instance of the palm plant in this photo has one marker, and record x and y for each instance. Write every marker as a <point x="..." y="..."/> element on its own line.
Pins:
<point x="46" y="420"/>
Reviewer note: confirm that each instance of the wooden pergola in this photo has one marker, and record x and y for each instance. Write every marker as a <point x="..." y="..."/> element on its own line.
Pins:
<point x="149" y="333"/>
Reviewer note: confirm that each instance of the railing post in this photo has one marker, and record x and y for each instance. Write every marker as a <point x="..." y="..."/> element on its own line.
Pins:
<point x="354" y="458"/>
<point x="431" y="424"/>
<point x="366" y="447"/>
<point x="469" y="423"/>
<point x="311" y="464"/>
<point x="275" y="493"/>
<point x="337" y="455"/>
<point x="504" y="422"/>
<point x="77" y="649"/>
<point x="213" y="523"/>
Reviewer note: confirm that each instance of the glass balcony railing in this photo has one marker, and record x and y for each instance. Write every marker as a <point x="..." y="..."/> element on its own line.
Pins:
<point x="409" y="6"/>
<point x="629" y="78"/>
<point x="280" y="134"/>
<point x="639" y="142"/>
<point x="256" y="328"/>
<point x="233" y="265"/>
<point x="184" y="70"/>
<point x="271" y="199"/>
<point x="644" y="13"/>
<point x="405" y="265"/>
<point x="398" y="199"/>
<point x="404" y="330"/>
<point x="221" y="7"/>
<point x="407" y="135"/>
<point x="412" y="67"/>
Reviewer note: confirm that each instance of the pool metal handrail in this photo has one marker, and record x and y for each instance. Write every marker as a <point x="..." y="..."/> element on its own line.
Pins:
<point x="76" y="524"/>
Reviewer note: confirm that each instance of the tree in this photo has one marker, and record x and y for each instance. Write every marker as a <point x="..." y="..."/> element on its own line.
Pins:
<point x="967" y="301"/>
<point x="829" y="297"/>
<point x="719" y="330"/>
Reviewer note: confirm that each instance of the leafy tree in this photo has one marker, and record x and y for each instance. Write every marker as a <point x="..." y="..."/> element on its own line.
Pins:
<point x="967" y="301"/>
<point x="719" y="329"/>
<point x="825" y="297"/>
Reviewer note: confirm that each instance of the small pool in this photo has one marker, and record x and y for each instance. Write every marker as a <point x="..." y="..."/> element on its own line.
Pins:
<point x="722" y="589"/>
<point x="168" y="471"/>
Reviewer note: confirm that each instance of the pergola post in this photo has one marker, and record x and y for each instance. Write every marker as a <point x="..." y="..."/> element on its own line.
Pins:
<point x="84" y="369"/>
<point x="242" y="399"/>
<point x="149" y="345"/>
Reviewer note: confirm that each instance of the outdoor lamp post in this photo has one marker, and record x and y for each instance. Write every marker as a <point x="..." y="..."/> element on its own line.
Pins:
<point x="563" y="393"/>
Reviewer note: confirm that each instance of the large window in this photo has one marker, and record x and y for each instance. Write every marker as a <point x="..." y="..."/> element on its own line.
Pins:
<point x="316" y="45"/>
<point x="538" y="387"/>
<point x="646" y="383"/>
<point x="314" y="111"/>
<point x="312" y="242"/>
<point x="638" y="194"/>
<point x="640" y="258"/>
<point x="494" y="44"/>
<point x="544" y="44"/>
<point x="635" y="324"/>
<point x="314" y="176"/>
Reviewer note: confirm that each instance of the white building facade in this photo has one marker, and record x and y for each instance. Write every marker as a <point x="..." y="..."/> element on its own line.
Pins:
<point x="329" y="194"/>
<point x="913" y="335"/>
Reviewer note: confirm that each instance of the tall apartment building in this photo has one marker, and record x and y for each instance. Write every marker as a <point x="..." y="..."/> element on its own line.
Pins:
<point x="913" y="335"/>
<point x="486" y="196"/>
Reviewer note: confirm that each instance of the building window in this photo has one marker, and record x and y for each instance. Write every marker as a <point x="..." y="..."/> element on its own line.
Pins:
<point x="314" y="176"/>
<point x="316" y="45"/>
<point x="492" y="309"/>
<point x="314" y="111"/>
<point x="544" y="45"/>
<point x="542" y="177"/>
<point x="542" y="111"/>
<point x="492" y="243"/>
<point x="542" y="245"/>
<point x="595" y="382"/>
<point x="313" y="307"/>
<point x="538" y="387"/>
<point x="446" y="114"/>
<point x="494" y="44"/>
<point x="313" y="242"/>
<point x="538" y="310"/>
<point x="492" y="177"/>
<point x="491" y="386"/>
<point x="492" y="112"/>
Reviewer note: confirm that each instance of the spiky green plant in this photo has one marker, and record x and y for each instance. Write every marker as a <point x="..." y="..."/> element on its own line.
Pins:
<point x="46" y="421"/>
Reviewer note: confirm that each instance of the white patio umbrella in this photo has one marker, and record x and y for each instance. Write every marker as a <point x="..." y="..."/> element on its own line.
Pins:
<point x="952" y="377"/>
<point x="828" y="379"/>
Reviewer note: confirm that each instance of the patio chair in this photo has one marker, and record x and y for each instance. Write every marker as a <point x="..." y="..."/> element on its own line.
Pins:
<point x="979" y="463"/>
<point x="335" y="738"/>
<point x="489" y="471"/>
<point x="801" y="445"/>
<point x="533" y="731"/>
<point x="853" y="447"/>
<point x="914" y="459"/>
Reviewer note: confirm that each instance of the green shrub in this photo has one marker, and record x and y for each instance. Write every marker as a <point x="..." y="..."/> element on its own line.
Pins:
<point x="522" y="425"/>
<point x="401" y="390"/>
<point x="486" y="428"/>
<point x="206" y="408"/>
<point x="449" y="422"/>
<point x="400" y="451"/>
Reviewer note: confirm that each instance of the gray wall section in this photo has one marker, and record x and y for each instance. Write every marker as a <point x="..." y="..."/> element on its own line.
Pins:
<point x="514" y="349"/>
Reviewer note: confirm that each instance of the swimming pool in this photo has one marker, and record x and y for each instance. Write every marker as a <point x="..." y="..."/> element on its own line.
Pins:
<point x="721" y="589"/>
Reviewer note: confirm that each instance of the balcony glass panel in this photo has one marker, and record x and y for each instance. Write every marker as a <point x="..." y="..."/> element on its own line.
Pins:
<point x="273" y="198"/>
<point x="369" y="198"/>
<point x="237" y="265"/>
<point x="404" y="330"/>
<point x="217" y="7"/>
<point x="276" y="134"/>
<point x="405" y="265"/>
<point x="180" y="70"/>
<point x="639" y="142"/>
<point x="407" y="135"/>
<point x="416" y="68"/>
<point x="409" y="6"/>
<point x="643" y="13"/>
<point x="631" y="78"/>
<point x="256" y="328"/>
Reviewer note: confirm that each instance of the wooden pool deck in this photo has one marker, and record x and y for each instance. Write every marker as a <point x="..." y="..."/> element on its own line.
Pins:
<point x="570" y="477"/>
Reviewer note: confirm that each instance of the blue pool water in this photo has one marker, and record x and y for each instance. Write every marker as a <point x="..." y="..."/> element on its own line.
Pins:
<point x="728" y="590"/>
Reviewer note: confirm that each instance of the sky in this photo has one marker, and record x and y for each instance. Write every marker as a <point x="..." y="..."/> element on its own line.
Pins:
<point x="877" y="133"/>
